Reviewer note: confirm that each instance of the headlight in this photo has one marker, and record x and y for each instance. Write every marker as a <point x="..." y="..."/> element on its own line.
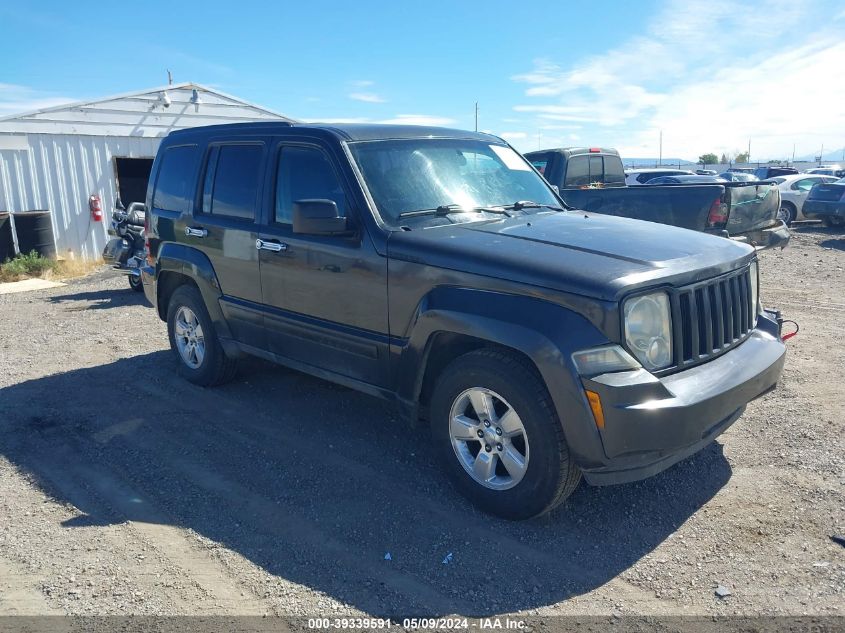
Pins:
<point x="648" y="329"/>
<point x="755" y="290"/>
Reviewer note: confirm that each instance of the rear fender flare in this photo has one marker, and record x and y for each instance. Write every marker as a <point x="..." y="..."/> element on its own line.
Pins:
<point x="194" y="264"/>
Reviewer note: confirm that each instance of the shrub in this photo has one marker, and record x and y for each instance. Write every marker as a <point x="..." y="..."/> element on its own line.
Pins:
<point x="26" y="265"/>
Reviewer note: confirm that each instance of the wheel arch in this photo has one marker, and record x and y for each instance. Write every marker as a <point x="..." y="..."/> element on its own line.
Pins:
<point x="178" y="265"/>
<point x="456" y="321"/>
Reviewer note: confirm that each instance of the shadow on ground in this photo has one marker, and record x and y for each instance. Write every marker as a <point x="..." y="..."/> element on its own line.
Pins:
<point x="315" y="483"/>
<point x="101" y="299"/>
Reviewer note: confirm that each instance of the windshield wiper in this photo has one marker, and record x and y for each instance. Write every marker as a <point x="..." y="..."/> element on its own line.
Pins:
<point x="446" y="209"/>
<point x="519" y="205"/>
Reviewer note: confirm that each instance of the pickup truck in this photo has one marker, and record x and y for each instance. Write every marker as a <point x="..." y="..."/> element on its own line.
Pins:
<point x="436" y="269"/>
<point x="593" y="179"/>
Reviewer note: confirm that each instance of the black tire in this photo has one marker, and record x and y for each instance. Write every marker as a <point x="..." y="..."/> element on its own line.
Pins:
<point x="135" y="283"/>
<point x="831" y="222"/>
<point x="788" y="210"/>
<point x="215" y="368"/>
<point x="551" y="475"/>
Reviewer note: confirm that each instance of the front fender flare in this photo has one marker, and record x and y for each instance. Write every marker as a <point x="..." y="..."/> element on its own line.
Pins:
<point x="546" y="333"/>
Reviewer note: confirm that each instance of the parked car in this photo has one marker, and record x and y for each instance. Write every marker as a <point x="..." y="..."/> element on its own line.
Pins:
<point x="738" y="176"/>
<point x="706" y="172"/>
<point x="793" y="193"/>
<point x="436" y="268"/>
<point x="826" y="202"/>
<point x="741" y="211"/>
<point x="764" y="173"/>
<point x="684" y="180"/>
<point x="634" y="177"/>
<point x="827" y="170"/>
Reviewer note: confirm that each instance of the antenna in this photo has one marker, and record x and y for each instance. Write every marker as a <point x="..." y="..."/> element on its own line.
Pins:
<point x="169" y="78"/>
<point x="660" y="159"/>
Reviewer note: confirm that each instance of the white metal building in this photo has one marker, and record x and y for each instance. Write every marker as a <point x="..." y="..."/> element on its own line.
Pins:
<point x="54" y="159"/>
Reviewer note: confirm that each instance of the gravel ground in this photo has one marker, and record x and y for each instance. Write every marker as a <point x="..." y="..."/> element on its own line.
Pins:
<point x="125" y="490"/>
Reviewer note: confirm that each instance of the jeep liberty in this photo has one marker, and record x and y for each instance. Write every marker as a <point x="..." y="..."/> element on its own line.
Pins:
<point x="436" y="268"/>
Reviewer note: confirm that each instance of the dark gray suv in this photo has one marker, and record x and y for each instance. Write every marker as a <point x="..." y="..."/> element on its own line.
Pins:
<point x="437" y="269"/>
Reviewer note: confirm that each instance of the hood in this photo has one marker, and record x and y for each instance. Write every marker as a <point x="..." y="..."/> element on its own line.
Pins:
<point x="572" y="251"/>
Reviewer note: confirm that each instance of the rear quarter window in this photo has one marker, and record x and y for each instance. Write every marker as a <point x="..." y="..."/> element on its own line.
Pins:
<point x="174" y="189"/>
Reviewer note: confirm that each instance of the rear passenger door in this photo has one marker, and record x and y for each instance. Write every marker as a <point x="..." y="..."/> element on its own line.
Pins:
<point x="225" y="228"/>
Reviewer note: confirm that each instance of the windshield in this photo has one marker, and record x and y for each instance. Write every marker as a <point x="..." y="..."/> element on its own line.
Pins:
<point x="421" y="175"/>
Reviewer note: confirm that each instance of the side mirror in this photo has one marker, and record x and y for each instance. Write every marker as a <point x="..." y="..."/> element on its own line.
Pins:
<point x="556" y="189"/>
<point x="317" y="217"/>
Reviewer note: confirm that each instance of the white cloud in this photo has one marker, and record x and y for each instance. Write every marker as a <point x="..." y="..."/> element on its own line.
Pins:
<point x="513" y="136"/>
<point x="367" y="97"/>
<point x="710" y="79"/>
<point x="418" y="119"/>
<point x="15" y="99"/>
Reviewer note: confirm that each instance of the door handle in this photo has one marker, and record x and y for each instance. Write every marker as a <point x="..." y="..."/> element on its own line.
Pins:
<point x="266" y="245"/>
<point x="190" y="231"/>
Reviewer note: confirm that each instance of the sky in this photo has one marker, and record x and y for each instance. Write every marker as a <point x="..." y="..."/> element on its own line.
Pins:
<point x="711" y="75"/>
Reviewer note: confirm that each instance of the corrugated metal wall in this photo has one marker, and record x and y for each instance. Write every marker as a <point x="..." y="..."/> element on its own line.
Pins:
<point x="58" y="172"/>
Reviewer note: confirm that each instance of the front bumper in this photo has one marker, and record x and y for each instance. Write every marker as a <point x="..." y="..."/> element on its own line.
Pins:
<point x="652" y="423"/>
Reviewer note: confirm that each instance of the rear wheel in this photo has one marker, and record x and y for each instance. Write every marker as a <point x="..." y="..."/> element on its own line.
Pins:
<point x="194" y="342"/>
<point x="495" y="430"/>
<point x="787" y="213"/>
<point x="135" y="283"/>
<point x="831" y="222"/>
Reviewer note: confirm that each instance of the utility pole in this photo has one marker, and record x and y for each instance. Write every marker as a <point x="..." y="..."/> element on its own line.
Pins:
<point x="821" y="156"/>
<point x="538" y="140"/>
<point x="749" y="152"/>
<point x="660" y="151"/>
<point x="476" y="116"/>
<point x="793" y="153"/>
<point x="169" y="78"/>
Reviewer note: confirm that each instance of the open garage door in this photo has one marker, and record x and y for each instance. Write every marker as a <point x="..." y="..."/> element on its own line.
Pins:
<point x="132" y="176"/>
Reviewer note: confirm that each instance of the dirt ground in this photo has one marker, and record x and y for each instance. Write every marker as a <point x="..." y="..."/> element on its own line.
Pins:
<point x="126" y="490"/>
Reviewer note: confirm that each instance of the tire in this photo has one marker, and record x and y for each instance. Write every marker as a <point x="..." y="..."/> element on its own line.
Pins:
<point x="211" y="366"/>
<point x="787" y="213"/>
<point x="831" y="222"/>
<point x="549" y="475"/>
<point x="136" y="283"/>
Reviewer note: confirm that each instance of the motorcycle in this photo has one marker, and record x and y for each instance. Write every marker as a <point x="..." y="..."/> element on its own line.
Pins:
<point x="125" y="251"/>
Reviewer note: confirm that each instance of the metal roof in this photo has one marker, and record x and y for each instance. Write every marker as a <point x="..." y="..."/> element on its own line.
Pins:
<point x="154" y="112"/>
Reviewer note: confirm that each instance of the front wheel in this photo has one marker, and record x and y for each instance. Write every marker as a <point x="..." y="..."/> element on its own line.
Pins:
<point x="496" y="432"/>
<point x="194" y="342"/>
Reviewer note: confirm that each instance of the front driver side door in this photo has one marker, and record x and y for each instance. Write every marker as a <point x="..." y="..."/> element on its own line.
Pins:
<point x="325" y="296"/>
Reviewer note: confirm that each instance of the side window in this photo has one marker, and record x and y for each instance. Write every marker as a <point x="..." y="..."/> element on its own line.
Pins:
<point x="805" y="184"/>
<point x="305" y="173"/>
<point x="173" y="189"/>
<point x="231" y="181"/>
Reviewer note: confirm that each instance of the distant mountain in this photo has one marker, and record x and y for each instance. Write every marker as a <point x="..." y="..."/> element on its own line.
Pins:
<point x="833" y="156"/>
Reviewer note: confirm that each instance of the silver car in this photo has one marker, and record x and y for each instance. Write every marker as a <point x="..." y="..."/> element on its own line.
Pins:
<point x="793" y="191"/>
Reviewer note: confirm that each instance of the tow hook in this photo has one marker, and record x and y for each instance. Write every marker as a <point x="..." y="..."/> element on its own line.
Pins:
<point x="781" y="321"/>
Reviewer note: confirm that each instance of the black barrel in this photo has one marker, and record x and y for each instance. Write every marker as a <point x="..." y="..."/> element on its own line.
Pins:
<point x="7" y="242"/>
<point x="35" y="233"/>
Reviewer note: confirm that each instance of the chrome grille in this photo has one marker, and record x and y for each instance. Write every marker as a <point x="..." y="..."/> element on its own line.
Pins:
<point x="711" y="317"/>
